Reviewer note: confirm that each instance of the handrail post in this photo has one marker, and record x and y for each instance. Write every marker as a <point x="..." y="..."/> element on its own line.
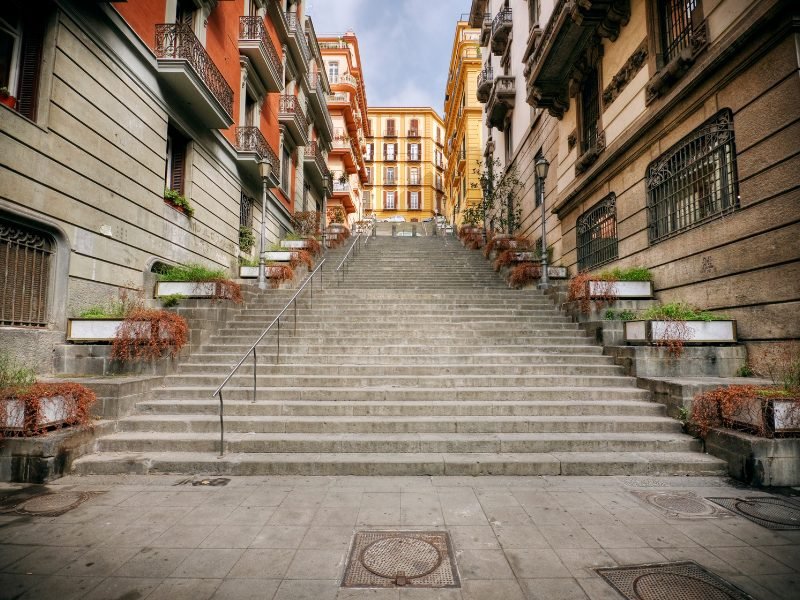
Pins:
<point x="255" y="375"/>
<point x="295" y="316"/>
<point x="278" y="353"/>
<point x="221" y="428"/>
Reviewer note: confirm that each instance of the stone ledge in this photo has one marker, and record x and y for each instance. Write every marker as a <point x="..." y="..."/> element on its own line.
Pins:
<point x="756" y="460"/>
<point x="695" y="361"/>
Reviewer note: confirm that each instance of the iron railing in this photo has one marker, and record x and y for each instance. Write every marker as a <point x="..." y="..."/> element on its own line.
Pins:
<point x="352" y="251"/>
<point x="250" y="139"/>
<point x="597" y="234"/>
<point x="276" y="322"/>
<point x="297" y="31"/>
<point x="290" y="107"/>
<point x="177" y="41"/>
<point x="252" y="28"/>
<point x="26" y="263"/>
<point x="501" y="20"/>
<point x="314" y="152"/>
<point x="676" y="26"/>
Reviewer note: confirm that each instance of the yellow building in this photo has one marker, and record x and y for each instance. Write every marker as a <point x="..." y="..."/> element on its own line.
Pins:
<point x="405" y="163"/>
<point x="463" y="129"/>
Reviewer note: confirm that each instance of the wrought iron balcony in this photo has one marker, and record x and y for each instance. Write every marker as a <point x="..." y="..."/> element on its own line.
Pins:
<point x="319" y="104"/>
<point x="486" y="29"/>
<point x="485" y="82"/>
<point x="252" y="147"/>
<point x="501" y="30"/>
<point x="501" y="101"/>
<point x="314" y="163"/>
<point x="189" y="71"/>
<point x="413" y="133"/>
<point x="291" y="116"/>
<point x="297" y="42"/>
<point x="256" y="44"/>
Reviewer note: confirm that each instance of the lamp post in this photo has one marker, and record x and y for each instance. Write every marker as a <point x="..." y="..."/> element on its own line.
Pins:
<point x="265" y="170"/>
<point x="542" y="167"/>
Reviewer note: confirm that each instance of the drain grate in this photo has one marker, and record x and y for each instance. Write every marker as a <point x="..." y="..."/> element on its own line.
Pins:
<point x="205" y="482"/>
<point x="681" y="505"/>
<point x="414" y="559"/>
<point x="670" y="581"/>
<point x="769" y="512"/>
<point x="52" y="505"/>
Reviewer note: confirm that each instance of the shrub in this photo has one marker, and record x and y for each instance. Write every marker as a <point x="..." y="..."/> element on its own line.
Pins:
<point x="619" y="315"/>
<point x="174" y="198"/>
<point x="629" y="274"/>
<point x="224" y="290"/>
<point x="301" y="257"/>
<point x="246" y="239"/>
<point x="171" y="300"/>
<point x="679" y="311"/>
<point x="14" y="375"/>
<point x="27" y="400"/>
<point x="278" y="274"/>
<point x="524" y="273"/>
<point x="336" y="214"/>
<point x="306" y="223"/>
<point x="114" y="307"/>
<point x="518" y="243"/>
<point x="578" y="291"/>
<point x="148" y="334"/>
<point x="504" y="259"/>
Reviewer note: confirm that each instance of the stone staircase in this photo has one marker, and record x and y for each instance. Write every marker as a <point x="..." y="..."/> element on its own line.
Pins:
<point x="420" y="362"/>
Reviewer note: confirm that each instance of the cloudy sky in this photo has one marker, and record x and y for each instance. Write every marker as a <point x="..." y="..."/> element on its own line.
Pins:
<point x="405" y="44"/>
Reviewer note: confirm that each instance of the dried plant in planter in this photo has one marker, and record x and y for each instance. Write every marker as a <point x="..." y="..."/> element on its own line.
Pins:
<point x="306" y="222"/>
<point x="505" y="243"/>
<point x="148" y="334"/>
<point x="505" y="258"/>
<point x="301" y="257"/>
<point x="677" y="331"/>
<point x="28" y="406"/>
<point x="578" y="291"/>
<point x="523" y="274"/>
<point x="278" y="274"/>
<point x="313" y="246"/>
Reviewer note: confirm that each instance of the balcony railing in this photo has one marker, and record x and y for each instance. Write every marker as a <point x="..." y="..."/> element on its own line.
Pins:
<point x="486" y="29"/>
<point x="313" y="152"/>
<point x="177" y="41"/>
<point x="289" y="110"/>
<point x="297" y="31"/>
<point x="347" y="79"/>
<point x="413" y="133"/>
<point x="252" y="29"/>
<point x="340" y="187"/>
<point x="250" y="139"/>
<point x="485" y="80"/>
<point x="390" y="133"/>
<point x="501" y="28"/>
<point x="340" y="45"/>
<point x="318" y="95"/>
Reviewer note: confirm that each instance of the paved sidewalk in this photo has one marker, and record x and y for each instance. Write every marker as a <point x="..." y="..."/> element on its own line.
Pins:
<point x="287" y="538"/>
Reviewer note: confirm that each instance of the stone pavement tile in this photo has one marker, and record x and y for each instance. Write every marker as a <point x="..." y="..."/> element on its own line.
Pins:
<point x="614" y="536"/>
<point x="593" y="516"/>
<point x="185" y="589"/>
<point x="430" y="594"/>
<point x="494" y="498"/>
<point x="473" y="538"/>
<point x="750" y="561"/>
<point x="598" y="589"/>
<point x="206" y="515"/>
<point x="519" y="536"/>
<point x="612" y="499"/>
<point x="86" y="513"/>
<point x="250" y="515"/>
<point x="123" y="588"/>
<point x="783" y="586"/>
<point x="305" y="498"/>
<point x="702" y="557"/>
<point x="62" y="587"/>
<point x="13" y="586"/>
<point x="746" y="584"/>
<point x="113" y="496"/>
<point x="662" y="536"/>
<point x="367" y="594"/>
<point x="551" y="515"/>
<point x="246" y="589"/>
<point x="707" y="534"/>
<point x="208" y="563"/>
<point x="46" y="560"/>
<point x="573" y="500"/>
<point x="99" y="562"/>
<point x="323" y="564"/>
<point x="508" y="515"/>
<point x="483" y="564"/>
<point x="420" y="509"/>
<point x="581" y="562"/>
<point x="342" y="498"/>
<point x="461" y="507"/>
<point x="279" y="536"/>
<point x="380" y="509"/>
<point x="287" y="515"/>
<point x="307" y="590"/>
<point x="550" y="589"/>
<point x="327" y="537"/>
<point x="635" y="516"/>
<point x="147" y="498"/>
<point x="153" y="562"/>
<point x="231" y="536"/>
<point x="10" y="554"/>
<point x="532" y="498"/>
<point x="183" y="536"/>
<point x="636" y="556"/>
<point x="334" y="516"/>
<point x="226" y="497"/>
<point x="266" y="496"/>
<point x="753" y="534"/>
<point x="163" y="516"/>
<point x="263" y="563"/>
<point x="788" y="555"/>
<point x="492" y="589"/>
<point x="135" y="536"/>
<point x="536" y="563"/>
<point x="567" y="536"/>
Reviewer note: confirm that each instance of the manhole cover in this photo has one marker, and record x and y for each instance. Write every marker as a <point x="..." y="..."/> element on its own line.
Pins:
<point x="205" y="482"/>
<point x="645" y="482"/>
<point x="680" y="505"/>
<point x="52" y="505"/>
<point x="416" y="559"/>
<point x="670" y="581"/>
<point x="772" y="513"/>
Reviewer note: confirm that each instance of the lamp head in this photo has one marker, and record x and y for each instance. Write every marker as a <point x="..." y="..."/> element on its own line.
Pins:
<point x="542" y="166"/>
<point x="264" y="169"/>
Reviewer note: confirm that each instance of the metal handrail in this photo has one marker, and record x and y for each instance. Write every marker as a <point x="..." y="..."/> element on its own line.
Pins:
<point x="252" y="350"/>
<point x="355" y="247"/>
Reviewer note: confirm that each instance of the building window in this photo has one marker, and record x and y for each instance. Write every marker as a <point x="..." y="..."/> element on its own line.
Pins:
<point x="286" y="170"/>
<point x="413" y="152"/>
<point x="390" y="176"/>
<point x="676" y="26"/>
<point x="246" y="211"/>
<point x="367" y="200"/>
<point x="413" y="201"/>
<point x="389" y="203"/>
<point x="533" y="13"/>
<point x="25" y="263"/>
<point x="508" y="140"/>
<point x="370" y="150"/>
<point x="390" y="128"/>
<point x="390" y="151"/>
<point x="175" y="177"/>
<point x="413" y="129"/>
<point x="369" y="174"/>
<point x="597" y="234"/>
<point x="21" y="42"/>
<point x="413" y="176"/>
<point x="590" y="110"/>
<point x="695" y="180"/>
<point x="333" y="72"/>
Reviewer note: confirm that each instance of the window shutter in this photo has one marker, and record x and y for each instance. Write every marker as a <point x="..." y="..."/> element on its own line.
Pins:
<point x="177" y="177"/>
<point x="30" y="66"/>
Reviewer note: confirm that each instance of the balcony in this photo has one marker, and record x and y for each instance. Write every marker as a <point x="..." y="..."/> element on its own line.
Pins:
<point x="413" y="133"/>
<point x="390" y="133"/>
<point x="501" y="101"/>
<point x="345" y="82"/>
<point x="252" y="147"/>
<point x="390" y="156"/>
<point x="314" y="165"/>
<point x="189" y="71"/>
<point x="568" y="34"/>
<point x="501" y="30"/>
<point x="485" y="82"/>
<point x="344" y="149"/>
<point x="486" y="29"/>
<point x="318" y="102"/>
<point x="255" y="44"/>
<point x="297" y="42"/>
<point x="291" y="116"/>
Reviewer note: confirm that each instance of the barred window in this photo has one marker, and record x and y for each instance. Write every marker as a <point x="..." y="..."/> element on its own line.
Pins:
<point x="246" y="211"/>
<point x="25" y="256"/>
<point x="590" y="109"/>
<point x="597" y="234"/>
<point x="694" y="181"/>
<point x="676" y="26"/>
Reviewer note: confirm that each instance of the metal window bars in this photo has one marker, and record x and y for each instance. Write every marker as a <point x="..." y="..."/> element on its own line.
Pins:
<point x="676" y="26"/>
<point x="597" y="234"/>
<point x="25" y="257"/>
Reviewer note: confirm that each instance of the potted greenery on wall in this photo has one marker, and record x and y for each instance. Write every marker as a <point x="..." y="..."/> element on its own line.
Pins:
<point x="178" y="202"/>
<point x="197" y="281"/>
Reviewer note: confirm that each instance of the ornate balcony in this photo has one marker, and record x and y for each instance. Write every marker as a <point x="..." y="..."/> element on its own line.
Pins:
<point x="255" y="44"/>
<point x="485" y="82"/>
<point x="314" y="165"/>
<point x="501" y="101"/>
<point x="297" y="42"/>
<point x="563" y="44"/>
<point x="486" y="29"/>
<point x="501" y="31"/>
<point x="343" y="148"/>
<point x="317" y="100"/>
<point x="291" y="116"/>
<point x="252" y="147"/>
<point x="189" y="71"/>
<point x="345" y="82"/>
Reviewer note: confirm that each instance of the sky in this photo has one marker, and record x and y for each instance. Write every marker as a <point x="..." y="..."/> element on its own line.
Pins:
<point x="405" y="45"/>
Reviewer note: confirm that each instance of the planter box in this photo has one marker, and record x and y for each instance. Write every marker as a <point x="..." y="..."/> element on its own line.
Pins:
<point x="552" y="272"/>
<point x="188" y="289"/>
<point x="697" y="332"/>
<point x="785" y="416"/>
<point x="279" y="256"/>
<point x="53" y="412"/>
<point x="776" y="415"/>
<point x="92" y="330"/>
<point x="297" y="244"/>
<point x="252" y="272"/>
<point x="622" y="289"/>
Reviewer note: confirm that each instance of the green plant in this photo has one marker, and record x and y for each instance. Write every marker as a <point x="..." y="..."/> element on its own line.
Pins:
<point x="14" y="375"/>
<point x="293" y="237"/>
<point x="176" y="199"/>
<point x="246" y="239"/>
<point x="629" y="274"/>
<point x="745" y="371"/>
<point x="171" y="300"/>
<point x="499" y="189"/>
<point x="619" y="315"/>
<point x="248" y="262"/>
<point x="191" y="272"/>
<point x="679" y="311"/>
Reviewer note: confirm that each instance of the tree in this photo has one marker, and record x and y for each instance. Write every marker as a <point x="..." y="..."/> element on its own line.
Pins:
<point x="499" y="187"/>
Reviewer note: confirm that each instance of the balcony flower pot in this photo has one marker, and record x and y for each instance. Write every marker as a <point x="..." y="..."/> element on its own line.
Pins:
<point x="658" y="332"/>
<point x="621" y="289"/>
<point x="9" y="101"/>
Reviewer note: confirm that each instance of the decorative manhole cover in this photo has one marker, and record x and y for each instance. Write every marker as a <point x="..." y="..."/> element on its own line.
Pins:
<point x="769" y="512"/>
<point x="670" y="581"/>
<point x="205" y="482"/>
<point x="52" y="505"/>
<point x="681" y="505"/>
<point x="645" y="482"/>
<point x="416" y="559"/>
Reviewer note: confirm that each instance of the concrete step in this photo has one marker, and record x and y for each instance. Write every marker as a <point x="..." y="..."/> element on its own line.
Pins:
<point x="364" y="348"/>
<point x="583" y="355"/>
<point x="421" y="370"/>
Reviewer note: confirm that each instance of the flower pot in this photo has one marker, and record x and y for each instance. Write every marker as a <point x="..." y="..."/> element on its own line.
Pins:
<point x="53" y="412"/>
<point x="690" y="332"/>
<point x="9" y="101"/>
<point x="621" y="289"/>
<point x="187" y="289"/>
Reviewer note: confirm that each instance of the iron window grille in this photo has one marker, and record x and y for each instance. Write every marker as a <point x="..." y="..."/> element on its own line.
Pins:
<point x="597" y="234"/>
<point x="676" y="26"/>
<point x="694" y="181"/>
<point x="25" y="257"/>
<point x="246" y="211"/>
<point x="590" y="110"/>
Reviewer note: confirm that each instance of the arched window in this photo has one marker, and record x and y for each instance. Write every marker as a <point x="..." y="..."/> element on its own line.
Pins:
<point x="26" y="255"/>
<point x="597" y="234"/>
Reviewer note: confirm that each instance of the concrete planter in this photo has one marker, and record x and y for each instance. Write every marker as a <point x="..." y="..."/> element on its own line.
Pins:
<point x="92" y="330"/>
<point x="776" y="415"/>
<point x="622" y="289"/>
<point x="278" y="256"/>
<point x="252" y="272"/>
<point x="53" y="412"/>
<point x="697" y="332"/>
<point x="296" y="244"/>
<point x="188" y="289"/>
<point x="756" y="460"/>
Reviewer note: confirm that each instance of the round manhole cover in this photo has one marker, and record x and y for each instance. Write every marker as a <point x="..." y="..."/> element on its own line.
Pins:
<point x="771" y="510"/>
<point x="409" y="557"/>
<point x="51" y="503"/>
<point x="682" y="504"/>
<point x="672" y="586"/>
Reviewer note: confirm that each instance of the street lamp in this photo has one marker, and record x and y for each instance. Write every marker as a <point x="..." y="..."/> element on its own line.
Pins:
<point x="265" y="170"/>
<point x="542" y="167"/>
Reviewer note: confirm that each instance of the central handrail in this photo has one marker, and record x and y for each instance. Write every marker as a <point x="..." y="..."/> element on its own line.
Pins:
<point x="252" y="349"/>
<point x="354" y="248"/>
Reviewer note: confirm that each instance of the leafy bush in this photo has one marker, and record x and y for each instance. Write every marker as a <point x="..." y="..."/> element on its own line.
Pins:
<point x="629" y="274"/>
<point x="246" y="239"/>
<point x="171" y="300"/>
<point x="191" y="272"/>
<point x="524" y="273"/>
<point x="679" y="311"/>
<point x="173" y="197"/>
<point x="248" y="262"/>
<point x="336" y="214"/>
<point x="619" y="315"/>
<point x="114" y="307"/>
<point x="578" y="291"/>
<point x="278" y="274"/>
